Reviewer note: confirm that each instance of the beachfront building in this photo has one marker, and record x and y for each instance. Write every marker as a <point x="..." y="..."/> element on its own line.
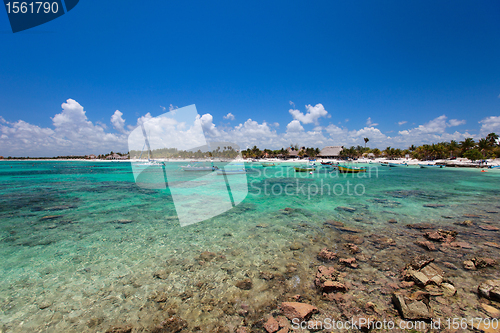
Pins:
<point x="115" y="156"/>
<point x="91" y="157"/>
<point x="330" y="152"/>
<point x="292" y="152"/>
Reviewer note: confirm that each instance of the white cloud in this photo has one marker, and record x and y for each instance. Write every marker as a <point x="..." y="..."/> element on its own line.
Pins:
<point x="490" y="125"/>
<point x="229" y="116"/>
<point x="172" y="107"/>
<point x="72" y="134"/>
<point x="208" y="125"/>
<point x="118" y="122"/>
<point x="2" y="120"/>
<point x="402" y="122"/>
<point x="313" y="113"/>
<point x="294" y="126"/>
<point x="455" y="122"/>
<point x="369" y="122"/>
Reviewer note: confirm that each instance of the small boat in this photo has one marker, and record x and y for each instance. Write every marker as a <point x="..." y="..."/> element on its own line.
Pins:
<point x="268" y="164"/>
<point x="231" y="172"/>
<point x="304" y="169"/>
<point x="494" y="166"/>
<point x="431" y="166"/>
<point x="346" y="169"/>
<point x="326" y="163"/>
<point x="384" y="164"/>
<point x="199" y="167"/>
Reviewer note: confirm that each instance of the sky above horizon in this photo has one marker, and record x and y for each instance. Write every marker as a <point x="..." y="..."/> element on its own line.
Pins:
<point x="259" y="73"/>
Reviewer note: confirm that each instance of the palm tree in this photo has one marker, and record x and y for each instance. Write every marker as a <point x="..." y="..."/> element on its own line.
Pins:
<point x="467" y="144"/>
<point x="492" y="138"/>
<point x="366" y="141"/>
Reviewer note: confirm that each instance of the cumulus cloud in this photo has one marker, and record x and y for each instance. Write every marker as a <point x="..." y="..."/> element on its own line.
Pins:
<point x="118" y="122"/>
<point x="229" y="116"/>
<point x="2" y="120"/>
<point x="455" y="122"/>
<point x="369" y="122"/>
<point x="490" y="125"/>
<point x="208" y="125"/>
<point x="402" y="122"/>
<point x="72" y="134"/>
<point x="313" y="113"/>
<point x="294" y="126"/>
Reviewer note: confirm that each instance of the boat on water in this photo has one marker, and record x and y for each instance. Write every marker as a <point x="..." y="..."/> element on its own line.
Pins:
<point x="222" y="172"/>
<point x="268" y="164"/>
<point x="347" y="169"/>
<point x="196" y="166"/>
<point x="431" y="166"/>
<point x="304" y="169"/>
<point x="493" y="166"/>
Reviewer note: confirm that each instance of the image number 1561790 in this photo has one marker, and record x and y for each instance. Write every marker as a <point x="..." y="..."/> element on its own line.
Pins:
<point x="31" y="7"/>
<point x="28" y="14"/>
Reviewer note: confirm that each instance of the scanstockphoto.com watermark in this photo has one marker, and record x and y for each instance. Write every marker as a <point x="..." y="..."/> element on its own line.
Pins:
<point x="363" y="323"/>
<point x="324" y="185"/>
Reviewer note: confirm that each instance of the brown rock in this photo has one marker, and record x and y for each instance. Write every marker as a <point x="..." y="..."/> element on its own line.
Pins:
<point x="426" y="245"/>
<point x="420" y="226"/>
<point x="120" y="329"/>
<point x="489" y="228"/>
<point x="266" y="276"/>
<point x="346" y="209"/>
<point x="353" y="248"/>
<point x="483" y="262"/>
<point x="271" y="325"/>
<point x="173" y="324"/>
<point x="491" y="311"/>
<point x="243" y="329"/>
<point x="490" y="289"/>
<point x="441" y="235"/>
<point x="283" y="323"/>
<point x="450" y="265"/>
<point x="466" y="223"/>
<point x="412" y="309"/>
<point x="492" y="244"/>
<point x="392" y="221"/>
<point x="463" y="245"/>
<point x="245" y="284"/>
<point x="333" y="286"/>
<point x="326" y="255"/>
<point x="295" y="246"/>
<point x="207" y="256"/>
<point x="298" y="310"/>
<point x="349" y="229"/>
<point x="350" y="262"/>
<point x="161" y="274"/>
<point x="469" y="265"/>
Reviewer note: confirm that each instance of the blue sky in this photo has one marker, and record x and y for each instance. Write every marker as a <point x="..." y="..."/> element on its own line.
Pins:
<point x="389" y="61"/>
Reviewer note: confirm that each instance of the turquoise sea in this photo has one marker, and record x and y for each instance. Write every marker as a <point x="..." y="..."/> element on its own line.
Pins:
<point x="84" y="248"/>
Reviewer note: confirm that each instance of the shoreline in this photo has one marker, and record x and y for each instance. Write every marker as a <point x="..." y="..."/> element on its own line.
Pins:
<point x="459" y="162"/>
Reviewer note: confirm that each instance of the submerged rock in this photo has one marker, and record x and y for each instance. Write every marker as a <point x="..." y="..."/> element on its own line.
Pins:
<point x="483" y="262"/>
<point x="173" y="324"/>
<point x="326" y="255"/>
<point x="271" y="325"/>
<point x="413" y="309"/>
<point x="490" y="289"/>
<point x="120" y="329"/>
<point x="245" y="284"/>
<point x="434" y="205"/>
<point x="446" y="236"/>
<point x="351" y="262"/>
<point x="328" y="280"/>
<point x="346" y="209"/>
<point x="302" y="311"/>
<point x="426" y="245"/>
<point x="489" y="227"/>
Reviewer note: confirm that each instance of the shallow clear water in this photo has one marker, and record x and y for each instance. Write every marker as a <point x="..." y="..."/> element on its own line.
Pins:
<point x="84" y="248"/>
